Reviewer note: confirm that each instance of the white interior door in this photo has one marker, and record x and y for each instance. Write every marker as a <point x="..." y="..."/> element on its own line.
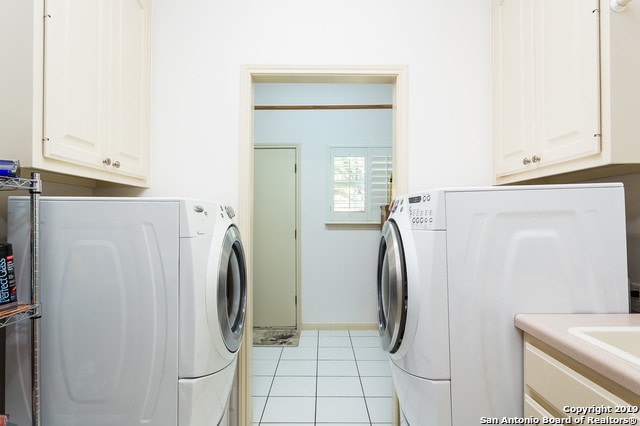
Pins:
<point x="274" y="234"/>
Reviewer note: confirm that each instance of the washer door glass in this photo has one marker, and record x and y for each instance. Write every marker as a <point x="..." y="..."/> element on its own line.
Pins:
<point x="232" y="289"/>
<point x="392" y="288"/>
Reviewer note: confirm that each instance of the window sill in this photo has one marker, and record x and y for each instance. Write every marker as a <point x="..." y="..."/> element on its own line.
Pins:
<point x="353" y="225"/>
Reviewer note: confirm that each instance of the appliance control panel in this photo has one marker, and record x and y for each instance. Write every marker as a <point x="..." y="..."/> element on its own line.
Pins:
<point x="426" y="210"/>
<point x="197" y="218"/>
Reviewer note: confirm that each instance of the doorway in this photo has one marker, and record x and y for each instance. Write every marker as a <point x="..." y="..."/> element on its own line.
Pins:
<point x="395" y="75"/>
<point x="275" y="234"/>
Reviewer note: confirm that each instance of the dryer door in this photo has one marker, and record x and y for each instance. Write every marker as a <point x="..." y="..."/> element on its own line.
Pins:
<point x="232" y="289"/>
<point x="392" y="287"/>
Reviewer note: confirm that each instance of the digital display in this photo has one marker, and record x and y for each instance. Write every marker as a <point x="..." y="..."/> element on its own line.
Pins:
<point x="415" y="199"/>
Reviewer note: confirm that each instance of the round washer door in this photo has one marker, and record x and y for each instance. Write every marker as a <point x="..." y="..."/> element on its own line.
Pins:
<point x="232" y="289"/>
<point x="392" y="288"/>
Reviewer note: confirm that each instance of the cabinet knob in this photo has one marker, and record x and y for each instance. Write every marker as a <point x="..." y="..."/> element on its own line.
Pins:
<point x="535" y="159"/>
<point x="526" y="161"/>
<point x="106" y="161"/>
<point x="116" y="164"/>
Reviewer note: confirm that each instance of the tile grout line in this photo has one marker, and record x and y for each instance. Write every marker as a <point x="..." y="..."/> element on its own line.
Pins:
<point x="273" y="379"/>
<point x="364" y="398"/>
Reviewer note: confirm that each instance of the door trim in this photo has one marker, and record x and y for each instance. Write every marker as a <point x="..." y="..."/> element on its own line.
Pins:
<point x="250" y="74"/>
<point x="296" y="147"/>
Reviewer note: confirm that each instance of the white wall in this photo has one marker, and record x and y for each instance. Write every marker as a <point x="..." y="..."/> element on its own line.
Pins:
<point x="199" y="45"/>
<point x="338" y="266"/>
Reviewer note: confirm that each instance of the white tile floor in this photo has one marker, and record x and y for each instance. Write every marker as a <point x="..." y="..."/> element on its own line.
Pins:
<point x="332" y="378"/>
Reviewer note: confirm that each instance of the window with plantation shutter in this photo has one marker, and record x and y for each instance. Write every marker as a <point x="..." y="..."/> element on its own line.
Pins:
<point x="359" y="183"/>
<point x="379" y="184"/>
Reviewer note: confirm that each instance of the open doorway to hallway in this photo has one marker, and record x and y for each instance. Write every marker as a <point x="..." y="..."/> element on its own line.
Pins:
<point x="397" y="76"/>
<point x="344" y="136"/>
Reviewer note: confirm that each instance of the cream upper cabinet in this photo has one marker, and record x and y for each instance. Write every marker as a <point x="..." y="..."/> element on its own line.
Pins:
<point x="84" y="79"/>
<point x="557" y="86"/>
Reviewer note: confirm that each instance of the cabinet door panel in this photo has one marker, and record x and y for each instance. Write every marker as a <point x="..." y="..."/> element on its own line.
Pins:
<point x="567" y="79"/>
<point x="130" y="78"/>
<point x="561" y="386"/>
<point x="513" y="84"/>
<point x="75" y="94"/>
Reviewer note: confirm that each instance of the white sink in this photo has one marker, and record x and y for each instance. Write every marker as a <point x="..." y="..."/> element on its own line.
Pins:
<point x="620" y="341"/>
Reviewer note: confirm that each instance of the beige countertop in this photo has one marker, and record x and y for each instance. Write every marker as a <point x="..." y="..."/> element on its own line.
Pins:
<point x="553" y="329"/>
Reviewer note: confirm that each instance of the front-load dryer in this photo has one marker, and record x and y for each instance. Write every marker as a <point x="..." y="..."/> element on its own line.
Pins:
<point x="456" y="265"/>
<point x="412" y="269"/>
<point x="143" y="307"/>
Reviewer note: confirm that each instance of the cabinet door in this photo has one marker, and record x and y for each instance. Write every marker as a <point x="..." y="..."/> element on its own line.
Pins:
<point x="513" y="84"/>
<point x="75" y="100"/>
<point x="130" y="81"/>
<point x="97" y="68"/>
<point x="560" y="385"/>
<point x="546" y="83"/>
<point x="567" y="106"/>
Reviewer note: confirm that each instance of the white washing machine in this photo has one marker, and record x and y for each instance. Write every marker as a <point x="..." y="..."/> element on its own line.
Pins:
<point x="456" y="265"/>
<point x="143" y="307"/>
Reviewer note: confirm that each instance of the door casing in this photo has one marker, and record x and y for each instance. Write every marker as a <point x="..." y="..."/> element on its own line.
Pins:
<point x="250" y="74"/>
